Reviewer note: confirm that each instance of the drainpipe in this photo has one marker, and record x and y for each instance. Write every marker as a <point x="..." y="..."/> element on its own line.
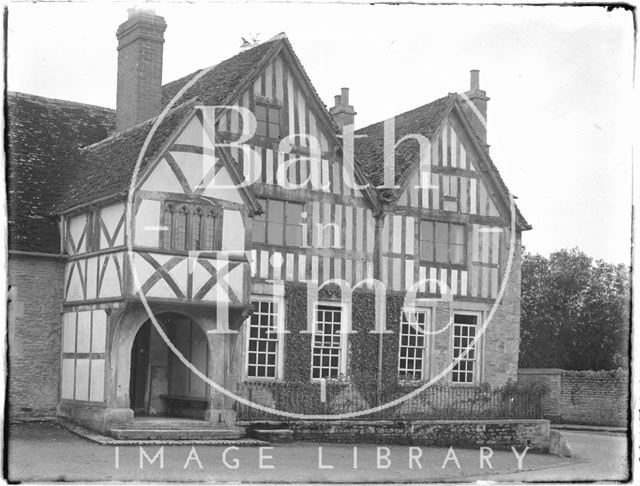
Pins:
<point x="377" y="274"/>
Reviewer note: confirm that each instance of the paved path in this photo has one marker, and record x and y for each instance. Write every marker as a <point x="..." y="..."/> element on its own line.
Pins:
<point x="44" y="452"/>
<point x="597" y="457"/>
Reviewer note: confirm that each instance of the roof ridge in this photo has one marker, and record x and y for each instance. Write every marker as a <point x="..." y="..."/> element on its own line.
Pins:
<point x="450" y="95"/>
<point x="35" y="97"/>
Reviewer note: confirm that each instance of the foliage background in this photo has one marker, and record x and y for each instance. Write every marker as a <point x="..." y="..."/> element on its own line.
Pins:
<point x="575" y="312"/>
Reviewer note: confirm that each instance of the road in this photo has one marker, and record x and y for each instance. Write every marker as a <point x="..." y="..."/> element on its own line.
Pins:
<point x="44" y="452"/>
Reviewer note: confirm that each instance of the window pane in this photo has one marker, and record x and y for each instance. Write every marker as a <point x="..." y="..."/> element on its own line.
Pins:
<point x="274" y="115"/>
<point x="441" y="252"/>
<point x="209" y="230"/>
<point x="274" y="233"/>
<point x="180" y="230"/>
<point x="196" y="231"/>
<point x="294" y="235"/>
<point x="294" y="213"/>
<point x="426" y="250"/>
<point x="426" y="232"/>
<point x="442" y="230"/>
<point x="274" y="130"/>
<point x="450" y="206"/>
<point x="457" y="254"/>
<point x="275" y="212"/>
<point x="261" y="113"/>
<point x="261" y="128"/>
<point x="457" y="234"/>
<point x="465" y="319"/>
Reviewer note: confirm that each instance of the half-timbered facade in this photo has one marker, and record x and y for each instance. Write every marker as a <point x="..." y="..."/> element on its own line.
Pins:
<point x="253" y="245"/>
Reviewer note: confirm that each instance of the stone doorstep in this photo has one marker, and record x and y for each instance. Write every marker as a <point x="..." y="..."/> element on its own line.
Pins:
<point x="273" y="435"/>
<point x="177" y="434"/>
<point x="173" y="424"/>
<point x="106" y="440"/>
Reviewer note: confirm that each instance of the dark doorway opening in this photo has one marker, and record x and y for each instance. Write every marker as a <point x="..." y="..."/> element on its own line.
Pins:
<point x="160" y="384"/>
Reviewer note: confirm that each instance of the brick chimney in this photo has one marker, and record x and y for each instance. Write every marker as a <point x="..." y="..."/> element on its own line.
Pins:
<point x="479" y="99"/>
<point x="343" y="113"/>
<point x="140" y="42"/>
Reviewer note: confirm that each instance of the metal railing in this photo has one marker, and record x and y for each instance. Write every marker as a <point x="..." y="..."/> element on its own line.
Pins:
<point x="439" y="402"/>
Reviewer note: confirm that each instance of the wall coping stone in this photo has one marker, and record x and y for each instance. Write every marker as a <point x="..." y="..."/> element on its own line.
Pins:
<point x="392" y="422"/>
<point x="540" y="371"/>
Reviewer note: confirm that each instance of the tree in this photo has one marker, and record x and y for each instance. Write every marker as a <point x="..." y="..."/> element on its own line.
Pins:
<point x="575" y="312"/>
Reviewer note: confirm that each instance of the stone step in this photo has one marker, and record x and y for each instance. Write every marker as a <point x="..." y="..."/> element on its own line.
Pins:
<point x="178" y="434"/>
<point x="170" y="424"/>
<point x="273" y="435"/>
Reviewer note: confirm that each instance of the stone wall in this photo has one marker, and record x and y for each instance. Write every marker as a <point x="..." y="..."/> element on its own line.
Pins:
<point x="464" y="433"/>
<point x="34" y="329"/>
<point x="583" y="397"/>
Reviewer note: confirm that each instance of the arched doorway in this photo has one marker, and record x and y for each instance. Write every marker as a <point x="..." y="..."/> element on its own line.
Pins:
<point x="160" y="384"/>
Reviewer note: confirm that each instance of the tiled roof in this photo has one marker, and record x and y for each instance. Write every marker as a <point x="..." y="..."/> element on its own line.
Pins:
<point x="215" y="87"/>
<point x="424" y="120"/>
<point x="44" y="136"/>
<point x="369" y="150"/>
<point x="106" y="167"/>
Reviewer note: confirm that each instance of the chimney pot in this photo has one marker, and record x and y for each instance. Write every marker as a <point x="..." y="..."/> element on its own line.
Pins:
<point x="475" y="80"/>
<point x="343" y="113"/>
<point x="345" y="96"/>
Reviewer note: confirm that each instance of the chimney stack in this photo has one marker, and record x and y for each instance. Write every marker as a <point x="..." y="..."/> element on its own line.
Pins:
<point x="479" y="99"/>
<point x="140" y="43"/>
<point x="343" y="113"/>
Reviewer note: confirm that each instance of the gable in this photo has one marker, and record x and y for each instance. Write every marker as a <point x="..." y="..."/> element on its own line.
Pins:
<point x="193" y="166"/>
<point x="453" y="182"/>
<point x="283" y="86"/>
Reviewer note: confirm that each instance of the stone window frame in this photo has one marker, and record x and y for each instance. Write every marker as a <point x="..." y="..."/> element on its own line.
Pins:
<point x="477" y="361"/>
<point x="342" y="334"/>
<point x="425" y="369"/>
<point x="280" y="332"/>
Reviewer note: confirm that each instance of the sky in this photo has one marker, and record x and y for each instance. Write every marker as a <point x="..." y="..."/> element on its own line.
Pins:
<point x="559" y="80"/>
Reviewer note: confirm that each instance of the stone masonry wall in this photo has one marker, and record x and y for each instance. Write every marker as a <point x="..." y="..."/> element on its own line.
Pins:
<point x="583" y="397"/>
<point x="34" y="328"/>
<point x="595" y="397"/>
<point x="465" y="433"/>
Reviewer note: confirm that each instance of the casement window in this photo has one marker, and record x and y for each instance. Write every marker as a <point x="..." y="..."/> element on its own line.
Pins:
<point x="267" y="120"/>
<point x="465" y="327"/>
<point x="264" y="340"/>
<point x="412" y="352"/>
<point x="328" y="355"/>
<point x="280" y="224"/>
<point x="450" y="195"/>
<point x="442" y="242"/>
<point x="190" y="227"/>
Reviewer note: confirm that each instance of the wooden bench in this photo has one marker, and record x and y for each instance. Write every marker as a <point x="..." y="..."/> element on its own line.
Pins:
<point x="186" y="406"/>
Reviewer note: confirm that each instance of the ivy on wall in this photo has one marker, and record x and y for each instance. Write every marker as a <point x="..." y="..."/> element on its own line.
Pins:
<point x="363" y="349"/>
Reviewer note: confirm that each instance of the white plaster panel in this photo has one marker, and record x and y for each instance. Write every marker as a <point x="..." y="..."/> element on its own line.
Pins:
<point x="162" y="179"/>
<point x="97" y="380"/>
<point x="147" y="221"/>
<point x="84" y="332"/>
<point x="82" y="379"/>
<point x="92" y="277"/>
<point x="232" y="231"/>
<point x="69" y="332"/>
<point x="67" y="379"/>
<point x="98" y="337"/>
<point x="111" y="216"/>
